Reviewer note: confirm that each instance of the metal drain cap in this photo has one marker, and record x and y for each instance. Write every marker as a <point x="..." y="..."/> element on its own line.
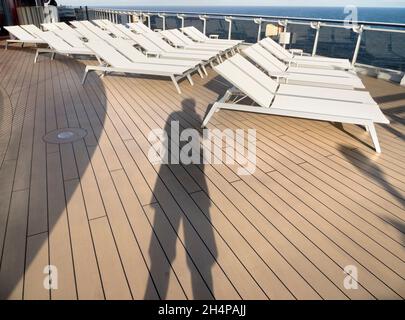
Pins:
<point x="65" y="135"/>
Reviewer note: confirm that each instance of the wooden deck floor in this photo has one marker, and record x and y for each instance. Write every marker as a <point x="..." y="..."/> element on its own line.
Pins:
<point x="117" y="227"/>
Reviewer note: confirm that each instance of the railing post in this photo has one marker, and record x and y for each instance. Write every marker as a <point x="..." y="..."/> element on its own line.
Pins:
<point x="258" y="21"/>
<point x="229" y="20"/>
<point x="147" y="15"/>
<point x="204" y="19"/>
<point x="284" y="24"/>
<point x="163" y="16"/>
<point x="317" y="27"/>
<point x="359" y="31"/>
<point x="181" y="17"/>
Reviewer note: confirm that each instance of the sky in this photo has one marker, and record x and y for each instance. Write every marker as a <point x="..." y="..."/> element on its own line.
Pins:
<point x="334" y="3"/>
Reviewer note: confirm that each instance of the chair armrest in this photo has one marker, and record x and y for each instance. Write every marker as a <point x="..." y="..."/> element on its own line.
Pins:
<point x="292" y="63"/>
<point x="280" y="76"/>
<point x="297" y="51"/>
<point x="152" y="54"/>
<point x="214" y="36"/>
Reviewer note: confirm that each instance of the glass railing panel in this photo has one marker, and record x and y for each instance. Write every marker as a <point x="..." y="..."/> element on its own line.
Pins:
<point x="245" y="30"/>
<point x="302" y="37"/>
<point x="382" y="49"/>
<point x="156" y="22"/>
<point x="336" y="42"/>
<point x="217" y="26"/>
<point x="173" y="22"/>
<point x="193" y="21"/>
<point x="123" y="19"/>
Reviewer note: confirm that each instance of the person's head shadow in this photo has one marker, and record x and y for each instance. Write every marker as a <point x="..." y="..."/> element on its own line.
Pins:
<point x="183" y="203"/>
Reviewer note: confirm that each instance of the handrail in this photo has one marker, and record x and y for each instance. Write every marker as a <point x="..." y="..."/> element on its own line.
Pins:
<point x="237" y="15"/>
<point x="356" y="28"/>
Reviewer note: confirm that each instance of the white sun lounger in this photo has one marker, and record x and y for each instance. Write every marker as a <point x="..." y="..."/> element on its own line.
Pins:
<point x="60" y="46"/>
<point x="179" y="40"/>
<point x="258" y="53"/>
<point x="302" y="61"/>
<point x="22" y="36"/>
<point x="125" y="48"/>
<point x="253" y="83"/>
<point x="307" y="90"/>
<point x="120" y="64"/>
<point x="198" y="36"/>
<point x="306" y="76"/>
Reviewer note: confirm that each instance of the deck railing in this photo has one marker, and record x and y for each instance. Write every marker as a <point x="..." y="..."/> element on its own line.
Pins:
<point x="380" y="45"/>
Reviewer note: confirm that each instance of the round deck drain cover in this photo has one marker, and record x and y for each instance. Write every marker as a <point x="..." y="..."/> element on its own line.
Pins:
<point x="65" y="135"/>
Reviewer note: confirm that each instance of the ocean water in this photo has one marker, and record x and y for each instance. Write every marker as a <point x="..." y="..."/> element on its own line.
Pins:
<point x="388" y="15"/>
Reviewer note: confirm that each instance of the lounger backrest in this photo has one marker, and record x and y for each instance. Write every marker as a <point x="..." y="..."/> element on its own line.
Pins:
<point x="99" y="23"/>
<point x="273" y="59"/>
<point x="139" y="27"/>
<point x="20" y="33"/>
<point x="33" y="29"/>
<point x="125" y="31"/>
<point x="158" y="41"/>
<point x="277" y="47"/>
<point x="182" y="37"/>
<point x="50" y="26"/>
<point x="146" y="43"/>
<point x="191" y="34"/>
<point x="273" y="50"/>
<point x="70" y="38"/>
<point x="113" y="28"/>
<point x="108" y="53"/>
<point x="96" y="30"/>
<point x="248" y="85"/>
<point x="254" y="72"/>
<point x="65" y="26"/>
<point x="169" y="35"/>
<point x="197" y="33"/>
<point x="127" y="50"/>
<point x="86" y="32"/>
<point x="261" y="61"/>
<point x="55" y="42"/>
<point x="265" y="59"/>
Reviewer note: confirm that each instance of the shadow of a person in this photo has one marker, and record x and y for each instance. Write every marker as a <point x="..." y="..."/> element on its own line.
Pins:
<point x="201" y="277"/>
<point x="371" y="170"/>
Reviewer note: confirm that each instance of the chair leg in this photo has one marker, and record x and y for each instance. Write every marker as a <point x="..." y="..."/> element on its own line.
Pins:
<point x="85" y="76"/>
<point x="200" y="72"/>
<point x="207" y="118"/>
<point x="190" y="79"/>
<point x="53" y="55"/>
<point x="36" y="56"/>
<point x="374" y="137"/>
<point x="204" y="69"/>
<point x="175" y="84"/>
<point x="6" y="46"/>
